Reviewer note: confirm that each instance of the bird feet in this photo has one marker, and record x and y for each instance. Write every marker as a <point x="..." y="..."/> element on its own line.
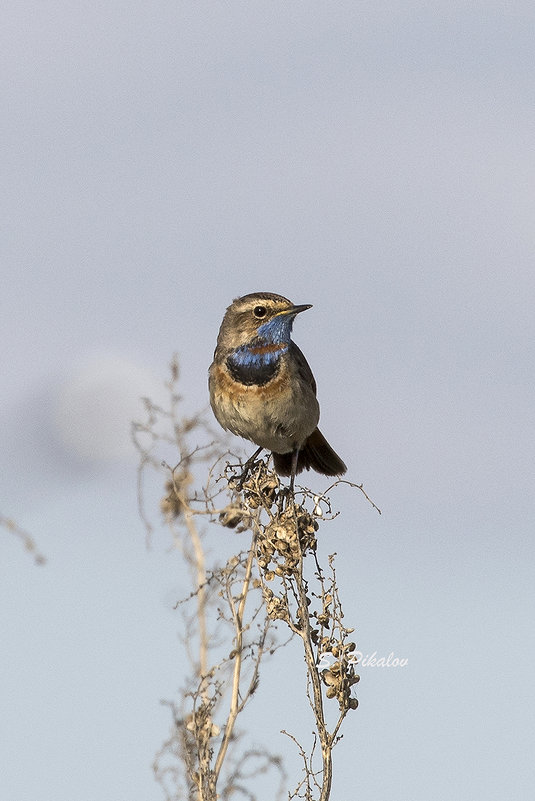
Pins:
<point x="244" y="475"/>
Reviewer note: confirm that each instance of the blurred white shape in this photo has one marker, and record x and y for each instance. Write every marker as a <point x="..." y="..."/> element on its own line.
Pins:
<point x="98" y="403"/>
<point x="318" y="511"/>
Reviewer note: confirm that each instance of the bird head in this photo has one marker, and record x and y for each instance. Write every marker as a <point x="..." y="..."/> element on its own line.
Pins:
<point x="258" y="317"/>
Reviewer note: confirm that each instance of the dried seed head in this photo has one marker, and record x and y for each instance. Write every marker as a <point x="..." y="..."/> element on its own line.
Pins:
<point x="329" y="678"/>
<point x="234" y="514"/>
<point x="277" y="609"/>
<point x="268" y="488"/>
<point x="172" y="504"/>
<point x="261" y="487"/>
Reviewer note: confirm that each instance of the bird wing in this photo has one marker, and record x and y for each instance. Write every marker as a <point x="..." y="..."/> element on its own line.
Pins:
<point x="302" y="366"/>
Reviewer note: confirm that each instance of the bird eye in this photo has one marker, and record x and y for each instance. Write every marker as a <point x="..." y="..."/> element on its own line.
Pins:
<point x="259" y="311"/>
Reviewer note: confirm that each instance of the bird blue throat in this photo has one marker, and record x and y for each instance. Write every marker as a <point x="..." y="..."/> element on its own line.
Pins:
<point x="258" y="361"/>
<point x="277" y="330"/>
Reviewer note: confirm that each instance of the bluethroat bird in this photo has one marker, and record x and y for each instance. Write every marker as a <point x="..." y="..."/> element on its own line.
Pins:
<point x="262" y="388"/>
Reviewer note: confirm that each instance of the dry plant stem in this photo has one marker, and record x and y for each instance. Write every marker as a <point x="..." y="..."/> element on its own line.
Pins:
<point x="201" y="760"/>
<point x="205" y="784"/>
<point x="200" y="570"/>
<point x="237" y="614"/>
<point x="319" y="714"/>
<point x="27" y="541"/>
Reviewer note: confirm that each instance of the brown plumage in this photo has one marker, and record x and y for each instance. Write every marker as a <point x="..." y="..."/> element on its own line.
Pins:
<point x="262" y="388"/>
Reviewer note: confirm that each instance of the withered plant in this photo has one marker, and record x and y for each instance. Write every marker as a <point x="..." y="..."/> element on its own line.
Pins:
<point x="241" y="610"/>
<point x="26" y="539"/>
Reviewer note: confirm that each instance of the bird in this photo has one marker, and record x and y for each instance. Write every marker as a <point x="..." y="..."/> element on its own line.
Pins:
<point x="262" y="388"/>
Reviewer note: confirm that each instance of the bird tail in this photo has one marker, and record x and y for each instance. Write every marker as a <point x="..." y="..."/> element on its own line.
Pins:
<point x="316" y="454"/>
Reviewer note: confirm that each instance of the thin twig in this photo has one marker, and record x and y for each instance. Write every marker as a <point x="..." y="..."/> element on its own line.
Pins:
<point x="27" y="540"/>
<point x="234" y="703"/>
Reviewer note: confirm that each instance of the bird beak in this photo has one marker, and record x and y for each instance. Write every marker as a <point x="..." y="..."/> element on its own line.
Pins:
<point x="293" y="310"/>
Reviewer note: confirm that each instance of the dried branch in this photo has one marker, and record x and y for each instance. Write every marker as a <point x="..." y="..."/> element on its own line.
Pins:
<point x="238" y="618"/>
<point x="27" y="540"/>
<point x="278" y="579"/>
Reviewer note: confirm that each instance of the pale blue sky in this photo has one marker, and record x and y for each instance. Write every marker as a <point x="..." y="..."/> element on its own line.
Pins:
<point x="375" y="160"/>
